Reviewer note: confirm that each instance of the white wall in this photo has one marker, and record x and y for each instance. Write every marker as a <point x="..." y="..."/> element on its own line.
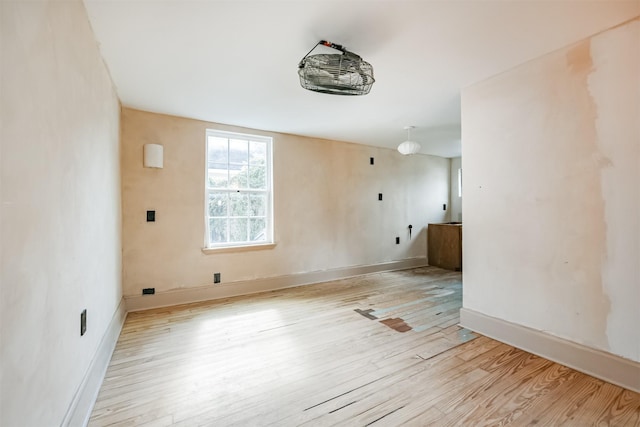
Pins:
<point x="60" y="212"/>
<point x="551" y="170"/>
<point x="327" y="213"/>
<point x="455" y="203"/>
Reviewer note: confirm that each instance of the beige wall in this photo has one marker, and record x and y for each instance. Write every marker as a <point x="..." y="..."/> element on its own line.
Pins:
<point x="60" y="212"/>
<point x="551" y="199"/>
<point x="327" y="213"/>
<point x="455" y="202"/>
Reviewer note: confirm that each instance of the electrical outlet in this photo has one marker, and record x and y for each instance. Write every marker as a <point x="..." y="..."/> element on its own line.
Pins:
<point x="148" y="291"/>
<point x="370" y="160"/>
<point x="151" y="216"/>
<point x="216" y="278"/>
<point x="397" y="240"/>
<point x="444" y="206"/>
<point x="83" y="322"/>
<point x="379" y="196"/>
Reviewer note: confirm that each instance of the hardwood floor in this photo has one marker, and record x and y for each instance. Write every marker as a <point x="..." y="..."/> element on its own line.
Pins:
<point x="382" y="349"/>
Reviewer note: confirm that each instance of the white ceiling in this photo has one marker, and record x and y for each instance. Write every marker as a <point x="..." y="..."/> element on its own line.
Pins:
<point x="235" y="62"/>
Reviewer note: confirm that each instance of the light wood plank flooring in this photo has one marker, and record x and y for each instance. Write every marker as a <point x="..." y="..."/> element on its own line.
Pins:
<point x="382" y="349"/>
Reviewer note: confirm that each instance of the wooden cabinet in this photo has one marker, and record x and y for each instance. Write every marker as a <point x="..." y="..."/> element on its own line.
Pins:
<point x="444" y="245"/>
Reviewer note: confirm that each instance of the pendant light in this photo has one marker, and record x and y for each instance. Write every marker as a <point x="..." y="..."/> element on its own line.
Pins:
<point x="409" y="146"/>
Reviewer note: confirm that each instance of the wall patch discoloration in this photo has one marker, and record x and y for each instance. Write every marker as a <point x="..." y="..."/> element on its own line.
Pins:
<point x="579" y="59"/>
<point x="587" y="196"/>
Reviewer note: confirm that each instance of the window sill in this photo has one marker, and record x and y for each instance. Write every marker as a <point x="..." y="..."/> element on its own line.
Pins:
<point x="228" y="249"/>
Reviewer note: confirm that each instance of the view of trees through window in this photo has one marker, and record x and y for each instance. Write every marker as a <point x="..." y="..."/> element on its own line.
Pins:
<point x="238" y="189"/>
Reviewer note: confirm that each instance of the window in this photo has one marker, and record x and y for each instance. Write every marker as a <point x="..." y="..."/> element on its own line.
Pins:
<point x="238" y="190"/>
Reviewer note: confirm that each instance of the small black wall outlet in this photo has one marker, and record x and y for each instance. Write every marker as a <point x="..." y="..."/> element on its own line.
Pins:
<point x="216" y="277"/>
<point x="397" y="240"/>
<point x="370" y="160"/>
<point x="148" y="291"/>
<point x="83" y="322"/>
<point x="151" y="216"/>
<point x="444" y="206"/>
<point x="379" y="196"/>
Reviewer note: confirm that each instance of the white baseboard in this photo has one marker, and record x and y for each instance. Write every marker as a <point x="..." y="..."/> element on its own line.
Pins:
<point x="605" y="366"/>
<point x="245" y="287"/>
<point x="80" y="409"/>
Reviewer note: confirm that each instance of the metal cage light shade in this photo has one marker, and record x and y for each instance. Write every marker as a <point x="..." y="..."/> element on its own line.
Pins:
<point x="338" y="74"/>
<point x="409" y="146"/>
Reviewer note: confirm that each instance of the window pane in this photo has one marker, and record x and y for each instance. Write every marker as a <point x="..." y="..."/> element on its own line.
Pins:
<point x="238" y="229"/>
<point x="258" y="229"/>
<point x="238" y="176"/>
<point x="218" y="230"/>
<point x="218" y="203"/>
<point x="238" y="151"/>
<point x="258" y="205"/>
<point x="238" y="204"/>
<point x="257" y="153"/>
<point x="218" y="150"/>
<point x="218" y="175"/>
<point x="258" y="177"/>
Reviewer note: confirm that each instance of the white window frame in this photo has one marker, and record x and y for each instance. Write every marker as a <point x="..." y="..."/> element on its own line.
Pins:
<point x="268" y="191"/>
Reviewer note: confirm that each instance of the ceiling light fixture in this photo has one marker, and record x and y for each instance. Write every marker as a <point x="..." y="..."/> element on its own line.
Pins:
<point x="335" y="73"/>
<point x="409" y="146"/>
